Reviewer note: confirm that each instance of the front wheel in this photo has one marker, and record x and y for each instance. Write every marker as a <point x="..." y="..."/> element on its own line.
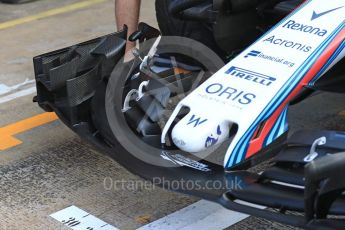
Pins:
<point x="138" y="103"/>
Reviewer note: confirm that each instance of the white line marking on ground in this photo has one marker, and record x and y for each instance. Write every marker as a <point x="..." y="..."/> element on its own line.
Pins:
<point x="4" y="89"/>
<point x="18" y="94"/>
<point x="77" y="219"/>
<point x="200" y="215"/>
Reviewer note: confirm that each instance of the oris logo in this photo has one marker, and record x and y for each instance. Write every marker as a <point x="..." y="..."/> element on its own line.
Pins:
<point x="230" y="93"/>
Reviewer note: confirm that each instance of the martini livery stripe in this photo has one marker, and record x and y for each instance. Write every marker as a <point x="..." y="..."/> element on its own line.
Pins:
<point x="241" y="149"/>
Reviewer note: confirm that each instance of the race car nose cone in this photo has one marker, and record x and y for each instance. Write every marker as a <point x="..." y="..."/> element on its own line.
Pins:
<point x="195" y="134"/>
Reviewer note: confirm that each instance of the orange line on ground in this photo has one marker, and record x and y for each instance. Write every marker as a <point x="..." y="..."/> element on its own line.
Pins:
<point x="342" y="113"/>
<point x="7" y="139"/>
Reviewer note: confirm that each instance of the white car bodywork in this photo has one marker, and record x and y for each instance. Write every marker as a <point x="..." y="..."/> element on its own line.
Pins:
<point x="258" y="82"/>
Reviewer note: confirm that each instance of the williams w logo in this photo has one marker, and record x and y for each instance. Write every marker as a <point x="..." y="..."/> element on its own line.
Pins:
<point x="196" y="121"/>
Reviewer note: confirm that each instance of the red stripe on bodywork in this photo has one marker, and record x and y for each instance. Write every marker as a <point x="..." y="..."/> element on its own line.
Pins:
<point x="256" y="145"/>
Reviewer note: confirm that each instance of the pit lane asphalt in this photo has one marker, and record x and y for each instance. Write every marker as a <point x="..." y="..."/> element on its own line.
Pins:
<point x="53" y="168"/>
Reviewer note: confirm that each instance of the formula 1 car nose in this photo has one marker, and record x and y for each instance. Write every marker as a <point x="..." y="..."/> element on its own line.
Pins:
<point x="155" y="114"/>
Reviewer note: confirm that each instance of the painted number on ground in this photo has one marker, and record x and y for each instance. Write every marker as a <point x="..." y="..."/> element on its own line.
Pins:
<point x="77" y="219"/>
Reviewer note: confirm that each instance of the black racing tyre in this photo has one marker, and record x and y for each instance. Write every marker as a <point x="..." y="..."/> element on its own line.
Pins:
<point x="167" y="24"/>
<point x="171" y="26"/>
<point x="128" y="139"/>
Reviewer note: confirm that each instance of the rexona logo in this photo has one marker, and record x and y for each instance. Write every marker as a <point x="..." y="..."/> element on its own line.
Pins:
<point x="251" y="76"/>
<point x="293" y="25"/>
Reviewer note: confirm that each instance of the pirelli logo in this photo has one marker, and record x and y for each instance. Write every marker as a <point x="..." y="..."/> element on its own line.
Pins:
<point x="251" y="76"/>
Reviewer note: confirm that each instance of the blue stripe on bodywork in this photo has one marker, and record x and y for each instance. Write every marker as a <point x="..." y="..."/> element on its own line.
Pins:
<point x="329" y="62"/>
<point x="268" y="32"/>
<point x="273" y="132"/>
<point x="242" y="145"/>
<point x="279" y="128"/>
